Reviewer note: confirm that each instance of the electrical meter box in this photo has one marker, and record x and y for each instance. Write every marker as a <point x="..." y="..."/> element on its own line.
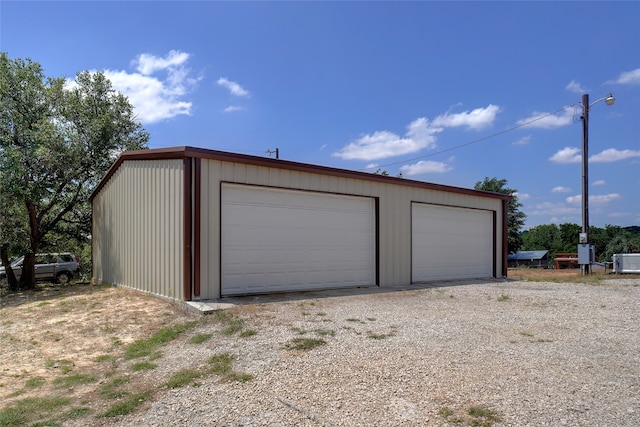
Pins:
<point x="586" y="254"/>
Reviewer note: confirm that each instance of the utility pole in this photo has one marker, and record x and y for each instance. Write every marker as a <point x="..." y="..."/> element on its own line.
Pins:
<point x="585" y="258"/>
<point x="585" y="177"/>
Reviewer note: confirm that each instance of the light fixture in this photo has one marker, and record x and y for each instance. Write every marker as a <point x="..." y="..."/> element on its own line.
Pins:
<point x="609" y="100"/>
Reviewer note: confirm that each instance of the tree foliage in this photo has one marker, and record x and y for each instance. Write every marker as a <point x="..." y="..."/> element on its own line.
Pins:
<point x="57" y="139"/>
<point x="564" y="238"/>
<point x="515" y="217"/>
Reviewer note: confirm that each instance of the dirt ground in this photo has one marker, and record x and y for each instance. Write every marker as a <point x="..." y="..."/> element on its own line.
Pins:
<point x="60" y="330"/>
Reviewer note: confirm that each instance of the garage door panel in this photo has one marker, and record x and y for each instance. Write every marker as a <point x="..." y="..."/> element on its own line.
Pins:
<point x="282" y="240"/>
<point x="451" y="243"/>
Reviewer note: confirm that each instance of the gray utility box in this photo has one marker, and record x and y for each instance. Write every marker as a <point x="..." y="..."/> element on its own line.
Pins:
<point x="626" y="263"/>
<point x="586" y="254"/>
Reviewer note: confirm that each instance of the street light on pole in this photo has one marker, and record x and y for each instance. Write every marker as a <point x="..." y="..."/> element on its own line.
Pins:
<point x="584" y="237"/>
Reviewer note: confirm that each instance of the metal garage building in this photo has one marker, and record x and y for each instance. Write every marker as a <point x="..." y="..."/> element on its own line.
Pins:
<point x="190" y="223"/>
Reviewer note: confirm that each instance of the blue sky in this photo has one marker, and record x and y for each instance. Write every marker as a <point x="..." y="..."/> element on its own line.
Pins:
<point x="445" y="92"/>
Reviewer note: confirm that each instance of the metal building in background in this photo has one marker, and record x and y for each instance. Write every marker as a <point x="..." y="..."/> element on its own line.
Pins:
<point x="196" y="224"/>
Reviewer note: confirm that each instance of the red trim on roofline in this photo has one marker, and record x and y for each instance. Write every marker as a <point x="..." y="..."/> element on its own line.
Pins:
<point x="204" y="153"/>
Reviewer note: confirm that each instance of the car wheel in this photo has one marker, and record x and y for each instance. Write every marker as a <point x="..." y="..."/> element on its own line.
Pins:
<point x="64" y="278"/>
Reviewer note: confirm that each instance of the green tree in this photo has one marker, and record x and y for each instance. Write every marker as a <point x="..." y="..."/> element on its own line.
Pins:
<point x="548" y="237"/>
<point x="56" y="141"/>
<point x="569" y="236"/>
<point x="515" y="217"/>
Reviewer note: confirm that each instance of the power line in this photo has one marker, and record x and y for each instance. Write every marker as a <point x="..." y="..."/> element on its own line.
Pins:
<point x="484" y="138"/>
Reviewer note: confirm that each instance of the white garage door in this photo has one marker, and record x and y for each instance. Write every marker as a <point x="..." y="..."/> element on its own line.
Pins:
<point x="450" y="243"/>
<point x="285" y="240"/>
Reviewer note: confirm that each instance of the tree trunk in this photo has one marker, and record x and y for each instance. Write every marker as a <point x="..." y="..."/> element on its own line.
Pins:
<point x="11" y="277"/>
<point x="28" y="278"/>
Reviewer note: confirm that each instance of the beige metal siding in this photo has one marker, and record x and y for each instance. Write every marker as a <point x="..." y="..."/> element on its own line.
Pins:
<point x="137" y="227"/>
<point x="394" y="214"/>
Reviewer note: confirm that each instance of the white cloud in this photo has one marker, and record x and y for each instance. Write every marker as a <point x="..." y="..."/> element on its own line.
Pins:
<point x="522" y="141"/>
<point x="612" y="155"/>
<point x="477" y="119"/>
<point x="425" y="166"/>
<point x="574" y="155"/>
<point x="232" y="108"/>
<point x="567" y="155"/>
<point x="148" y="64"/>
<point x="421" y="134"/>
<point x="155" y="98"/>
<point x="522" y="196"/>
<point x="547" y="120"/>
<point x="628" y="77"/>
<point x="595" y="200"/>
<point x="575" y="87"/>
<point x="383" y="144"/>
<point x="233" y="87"/>
<point x="599" y="183"/>
<point x="372" y="166"/>
<point x="560" y="189"/>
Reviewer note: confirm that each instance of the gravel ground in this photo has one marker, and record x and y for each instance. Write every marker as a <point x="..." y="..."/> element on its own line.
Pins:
<point x="528" y="353"/>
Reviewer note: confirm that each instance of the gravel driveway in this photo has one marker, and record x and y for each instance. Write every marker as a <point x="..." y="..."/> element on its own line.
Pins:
<point x="517" y="353"/>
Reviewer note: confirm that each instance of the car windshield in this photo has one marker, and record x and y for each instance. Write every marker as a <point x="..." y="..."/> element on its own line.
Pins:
<point x="17" y="261"/>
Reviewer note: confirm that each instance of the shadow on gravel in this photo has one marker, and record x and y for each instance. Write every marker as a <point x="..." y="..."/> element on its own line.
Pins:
<point x="345" y="292"/>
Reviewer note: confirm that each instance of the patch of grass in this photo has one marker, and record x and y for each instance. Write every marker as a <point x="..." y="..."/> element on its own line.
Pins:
<point x="446" y="412"/>
<point x="80" y="411"/>
<point x="34" y="382"/>
<point x="154" y="356"/>
<point x="64" y="365"/>
<point x="182" y="378"/>
<point x="43" y="303"/>
<point x="143" y="366"/>
<point x="73" y="380"/>
<point x="110" y="389"/>
<point x="241" y="377"/>
<point x="32" y="409"/>
<point x="482" y="416"/>
<point x="503" y="297"/>
<point x="377" y="336"/>
<point x="353" y="319"/>
<point x="222" y="315"/>
<point x="324" y="332"/>
<point x="220" y="363"/>
<point x="371" y="319"/>
<point x="247" y="333"/>
<point x="526" y="334"/>
<point x="475" y="416"/>
<point x="233" y="326"/>
<point x="199" y="338"/>
<point x="304" y="343"/>
<point x="105" y="358"/>
<point x="128" y="406"/>
<point x="145" y="347"/>
<point x="321" y="313"/>
<point x="231" y="323"/>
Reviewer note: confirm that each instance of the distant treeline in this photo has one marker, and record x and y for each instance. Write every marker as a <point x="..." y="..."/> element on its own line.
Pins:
<point x="563" y="238"/>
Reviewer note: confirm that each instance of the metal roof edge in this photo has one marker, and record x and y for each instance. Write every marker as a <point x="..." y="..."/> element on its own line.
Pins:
<point x="180" y="152"/>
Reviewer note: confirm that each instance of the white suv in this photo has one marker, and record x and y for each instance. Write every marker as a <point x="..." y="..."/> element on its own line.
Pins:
<point x="59" y="268"/>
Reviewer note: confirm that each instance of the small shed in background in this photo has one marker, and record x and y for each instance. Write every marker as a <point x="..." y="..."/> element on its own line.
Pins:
<point x="534" y="259"/>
